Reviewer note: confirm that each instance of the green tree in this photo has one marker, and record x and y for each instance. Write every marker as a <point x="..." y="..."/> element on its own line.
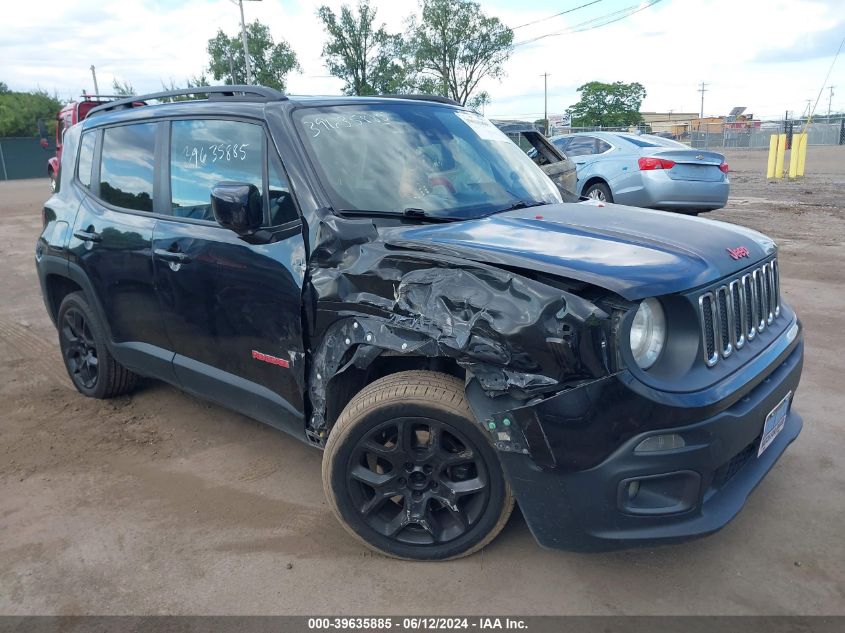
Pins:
<point x="368" y="58"/>
<point x="191" y="82"/>
<point x="456" y="45"/>
<point x="123" y="88"/>
<point x="480" y="100"/>
<point x="270" y="62"/>
<point x="21" y="111"/>
<point x="608" y="105"/>
<point x="3" y="88"/>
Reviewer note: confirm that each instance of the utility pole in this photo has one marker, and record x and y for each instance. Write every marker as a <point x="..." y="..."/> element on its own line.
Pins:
<point x="702" y="90"/>
<point x="545" y="77"/>
<point x="809" y="102"/>
<point x="94" y="75"/>
<point x="232" y="68"/>
<point x="829" y="102"/>
<point x="246" y="45"/>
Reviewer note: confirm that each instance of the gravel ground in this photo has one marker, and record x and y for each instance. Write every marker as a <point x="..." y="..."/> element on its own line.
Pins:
<point x="163" y="503"/>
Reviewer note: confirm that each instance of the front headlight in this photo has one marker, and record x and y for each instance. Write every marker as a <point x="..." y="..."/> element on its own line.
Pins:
<point x="648" y="333"/>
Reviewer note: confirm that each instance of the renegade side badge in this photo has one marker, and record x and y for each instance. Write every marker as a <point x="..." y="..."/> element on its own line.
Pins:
<point x="273" y="360"/>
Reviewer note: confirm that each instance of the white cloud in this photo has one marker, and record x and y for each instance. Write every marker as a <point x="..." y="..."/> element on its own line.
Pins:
<point x="669" y="48"/>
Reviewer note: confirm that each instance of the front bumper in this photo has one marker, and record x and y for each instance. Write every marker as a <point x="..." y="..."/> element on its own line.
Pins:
<point x="568" y="506"/>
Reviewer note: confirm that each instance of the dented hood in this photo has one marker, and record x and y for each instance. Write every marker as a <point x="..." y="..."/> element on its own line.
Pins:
<point x="634" y="252"/>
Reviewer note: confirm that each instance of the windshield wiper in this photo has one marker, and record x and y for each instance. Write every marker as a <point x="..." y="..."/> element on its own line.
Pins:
<point x="410" y="212"/>
<point x="525" y="204"/>
<point x="520" y="204"/>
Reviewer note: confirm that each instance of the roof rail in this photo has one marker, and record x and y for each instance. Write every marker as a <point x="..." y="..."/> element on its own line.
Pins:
<point x="421" y="97"/>
<point x="93" y="96"/>
<point x="242" y="93"/>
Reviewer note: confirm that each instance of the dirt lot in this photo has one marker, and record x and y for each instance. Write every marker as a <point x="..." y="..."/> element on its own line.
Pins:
<point x="162" y="503"/>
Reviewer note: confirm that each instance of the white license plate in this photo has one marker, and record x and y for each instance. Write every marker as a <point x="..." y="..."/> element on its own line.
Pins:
<point x="774" y="424"/>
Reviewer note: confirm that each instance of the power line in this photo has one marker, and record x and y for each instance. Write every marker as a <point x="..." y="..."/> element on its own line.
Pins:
<point x="829" y="70"/>
<point x="594" y="23"/>
<point x="556" y="15"/>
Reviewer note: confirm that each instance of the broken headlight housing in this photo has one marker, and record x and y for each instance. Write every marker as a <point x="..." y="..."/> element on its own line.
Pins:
<point x="648" y="333"/>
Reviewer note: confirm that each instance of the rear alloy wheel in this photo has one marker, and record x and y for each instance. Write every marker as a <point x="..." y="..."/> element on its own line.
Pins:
<point x="91" y="367"/>
<point x="599" y="191"/>
<point x="408" y="470"/>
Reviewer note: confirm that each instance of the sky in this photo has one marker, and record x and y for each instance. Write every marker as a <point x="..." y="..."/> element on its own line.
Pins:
<point x="767" y="55"/>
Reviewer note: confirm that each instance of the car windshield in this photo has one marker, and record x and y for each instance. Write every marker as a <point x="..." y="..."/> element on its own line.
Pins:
<point x="432" y="160"/>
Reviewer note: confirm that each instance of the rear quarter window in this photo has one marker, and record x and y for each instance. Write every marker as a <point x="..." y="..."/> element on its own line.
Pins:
<point x="127" y="166"/>
<point x="86" y="158"/>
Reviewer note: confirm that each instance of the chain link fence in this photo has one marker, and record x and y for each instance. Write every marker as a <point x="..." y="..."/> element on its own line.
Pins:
<point x="739" y="134"/>
<point x="23" y="158"/>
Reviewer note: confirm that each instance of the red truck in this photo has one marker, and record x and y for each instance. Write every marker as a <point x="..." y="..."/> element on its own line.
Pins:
<point x="69" y="115"/>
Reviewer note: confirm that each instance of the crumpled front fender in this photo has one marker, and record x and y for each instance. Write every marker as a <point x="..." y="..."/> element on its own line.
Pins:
<point x="513" y="334"/>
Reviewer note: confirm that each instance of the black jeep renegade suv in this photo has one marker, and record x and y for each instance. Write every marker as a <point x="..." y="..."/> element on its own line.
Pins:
<point x="393" y="281"/>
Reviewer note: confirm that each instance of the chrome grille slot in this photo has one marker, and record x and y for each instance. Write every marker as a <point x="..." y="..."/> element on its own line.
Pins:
<point x="774" y="289"/>
<point x="750" y="312"/>
<point x="739" y="309"/>
<point x="733" y="314"/>
<point x="760" y="300"/>
<point x="725" y="317"/>
<point x="709" y="325"/>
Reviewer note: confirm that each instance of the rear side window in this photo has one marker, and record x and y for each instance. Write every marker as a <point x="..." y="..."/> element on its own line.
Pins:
<point x="204" y="153"/>
<point x="86" y="158"/>
<point x="581" y="146"/>
<point x="561" y="143"/>
<point x="126" y="169"/>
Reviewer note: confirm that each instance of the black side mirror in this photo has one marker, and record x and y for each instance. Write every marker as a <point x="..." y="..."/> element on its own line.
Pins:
<point x="237" y="207"/>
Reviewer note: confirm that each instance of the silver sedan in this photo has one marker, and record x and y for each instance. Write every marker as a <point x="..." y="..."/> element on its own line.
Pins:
<point x="643" y="170"/>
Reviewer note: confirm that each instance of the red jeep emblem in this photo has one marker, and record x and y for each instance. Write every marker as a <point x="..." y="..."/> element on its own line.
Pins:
<point x="738" y="253"/>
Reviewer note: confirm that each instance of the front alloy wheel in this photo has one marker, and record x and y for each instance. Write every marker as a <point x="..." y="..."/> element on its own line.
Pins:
<point x="418" y="481"/>
<point x="409" y="471"/>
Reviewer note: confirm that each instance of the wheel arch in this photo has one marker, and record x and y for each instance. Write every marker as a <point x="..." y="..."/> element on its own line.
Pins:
<point x="595" y="180"/>
<point x="57" y="288"/>
<point x="351" y="380"/>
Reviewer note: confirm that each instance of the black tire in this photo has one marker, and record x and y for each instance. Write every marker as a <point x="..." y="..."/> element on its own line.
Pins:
<point x="92" y="369"/>
<point x="599" y="191"/>
<point x="445" y="457"/>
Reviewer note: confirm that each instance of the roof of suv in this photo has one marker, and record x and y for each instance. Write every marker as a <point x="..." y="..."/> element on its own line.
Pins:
<point x="218" y="97"/>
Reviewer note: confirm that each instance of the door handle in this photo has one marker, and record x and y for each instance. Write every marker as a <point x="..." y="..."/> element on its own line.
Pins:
<point x="87" y="236"/>
<point x="176" y="257"/>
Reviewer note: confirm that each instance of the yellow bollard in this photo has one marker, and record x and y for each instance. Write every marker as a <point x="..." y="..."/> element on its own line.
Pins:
<point x="781" y="155"/>
<point x="773" y="153"/>
<point x="802" y="154"/>
<point x="793" y="156"/>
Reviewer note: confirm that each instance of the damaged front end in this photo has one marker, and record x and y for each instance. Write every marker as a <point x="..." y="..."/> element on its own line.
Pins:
<point x="515" y="336"/>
